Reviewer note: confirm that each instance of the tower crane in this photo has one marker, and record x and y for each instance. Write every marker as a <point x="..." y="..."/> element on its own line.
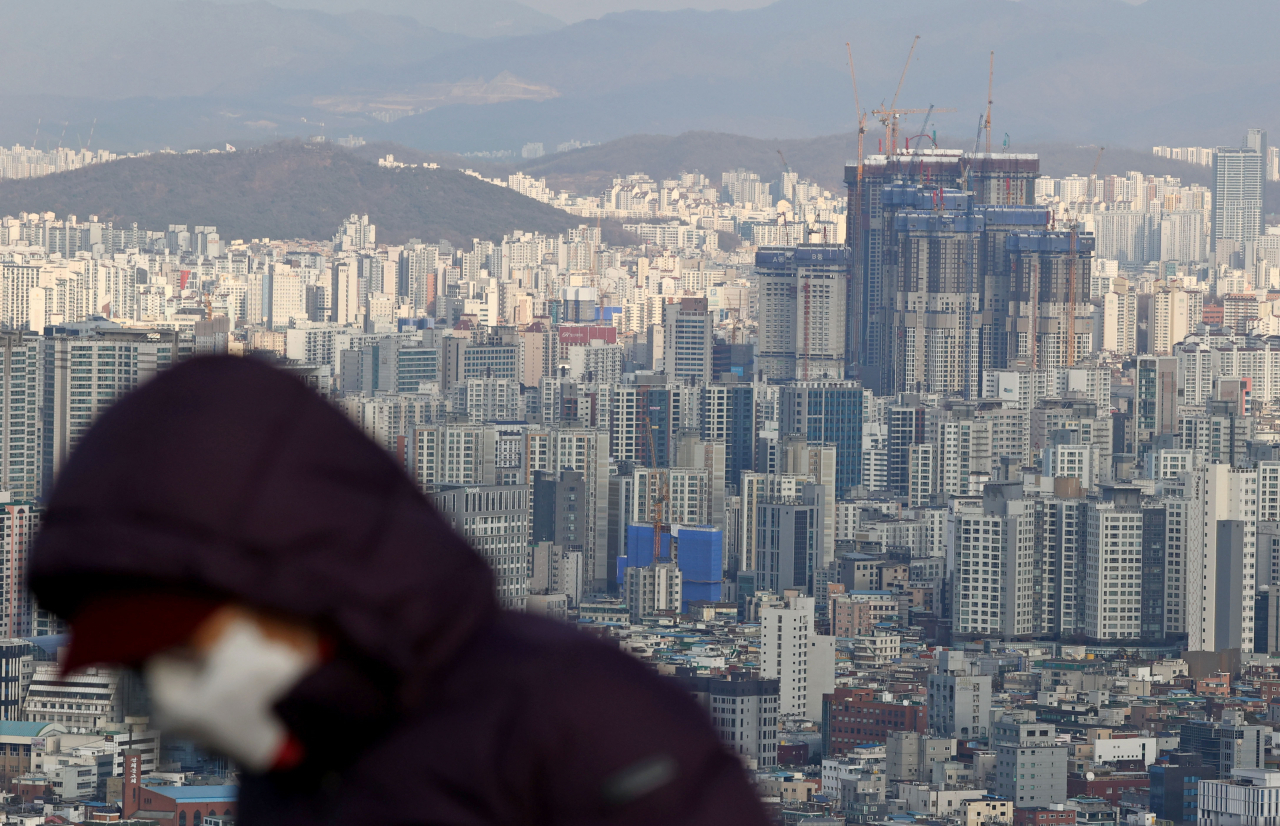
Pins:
<point x="1072" y="240"/>
<point x="991" y="76"/>
<point x="889" y="115"/>
<point x="663" y="485"/>
<point x="1093" y="174"/>
<point x="924" y="127"/>
<point x="853" y="230"/>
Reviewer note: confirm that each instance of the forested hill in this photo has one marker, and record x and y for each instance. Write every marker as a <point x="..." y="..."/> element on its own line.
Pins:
<point x="285" y="190"/>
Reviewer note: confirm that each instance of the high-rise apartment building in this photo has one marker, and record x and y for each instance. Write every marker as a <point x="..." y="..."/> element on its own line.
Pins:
<point x="794" y="654"/>
<point x="19" y="522"/>
<point x="84" y="374"/>
<point x="1216" y="526"/>
<point x="1001" y="181"/>
<point x="1050" y="318"/>
<point x="1113" y="569"/>
<point x="686" y="340"/>
<point x="1239" y="183"/>
<point x="1017" y="562"/>
<point x="495" y="521"/>
<point x="802" y="311"/>
<point x="937" y="322"/>
<point x="870" y="234"/>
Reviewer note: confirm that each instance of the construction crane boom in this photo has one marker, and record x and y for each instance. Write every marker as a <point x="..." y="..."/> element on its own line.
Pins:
<point x="1071" y="298"/>
<point x="991" y="76"/>
<point x="663" y="487"/>
<point x="924" y="127"/>
<point x="854" y="230"/>
<point x="905" y="66"/>
<point x="1093" y="174"/>
<point x="889" y="117"/>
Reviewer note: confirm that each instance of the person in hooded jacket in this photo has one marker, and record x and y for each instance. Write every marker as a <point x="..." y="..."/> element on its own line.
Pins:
<point x="294" y="602"/>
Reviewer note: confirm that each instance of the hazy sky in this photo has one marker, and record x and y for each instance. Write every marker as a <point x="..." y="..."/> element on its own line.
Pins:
<point x="571" y="11"/>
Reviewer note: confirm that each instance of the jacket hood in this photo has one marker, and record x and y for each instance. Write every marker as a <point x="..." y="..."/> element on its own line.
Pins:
<point x="227" y="476"/>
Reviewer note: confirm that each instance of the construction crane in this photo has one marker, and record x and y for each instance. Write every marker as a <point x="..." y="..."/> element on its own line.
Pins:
<point x="991" y="76"/>
<point x="854" y="229"/>
<point x="1071" y="297"/>
<point x="924" y="127"/>
<point x="889" y="115"/>
<point x="663" y="486"/>
<point x="1093" y="174"/>
<point x="785" y="169"/>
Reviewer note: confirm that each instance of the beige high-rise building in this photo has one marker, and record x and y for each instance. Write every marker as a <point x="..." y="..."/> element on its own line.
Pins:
<point x="802" y="311"/>
<point x="1218" y="523"/>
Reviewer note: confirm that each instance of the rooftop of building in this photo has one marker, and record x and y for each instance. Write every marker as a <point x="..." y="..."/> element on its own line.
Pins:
<point x="197" y="794"/>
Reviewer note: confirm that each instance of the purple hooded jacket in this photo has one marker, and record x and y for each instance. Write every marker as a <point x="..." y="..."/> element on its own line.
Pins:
<point x="225" y="476"/>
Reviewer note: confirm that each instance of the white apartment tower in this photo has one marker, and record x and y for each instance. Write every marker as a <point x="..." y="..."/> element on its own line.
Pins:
<point x="1113" y="571"/>
<point x="791" y="652"/>
<point x="959" y="703"/>
<point x="1219" y="557"/>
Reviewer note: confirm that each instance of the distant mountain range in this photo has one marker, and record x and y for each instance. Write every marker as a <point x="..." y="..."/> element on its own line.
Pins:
<point x="293" y="189"/>
<point x="488" y="75"/>
<point x="287" y="190"/>
<point x="822" y="159"/>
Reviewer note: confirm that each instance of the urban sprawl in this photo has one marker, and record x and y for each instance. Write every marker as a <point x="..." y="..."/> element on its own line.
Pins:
<point x="953" y="497"/>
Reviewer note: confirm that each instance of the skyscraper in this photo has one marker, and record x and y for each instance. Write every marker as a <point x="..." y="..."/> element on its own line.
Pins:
<point x="686" y="340"/>
<point x="1239" y="180"/>
<point x="802" y="311"/>
<point x="936" y="309"/>
<point x="870" y="294"/>
<point x="1218" y="614"/>
<point x="1002" y="180"/>
<point x="1050" y="318"/>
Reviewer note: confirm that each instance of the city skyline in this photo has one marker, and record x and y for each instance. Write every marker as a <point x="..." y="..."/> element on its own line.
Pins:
<point x="933" y="476"/>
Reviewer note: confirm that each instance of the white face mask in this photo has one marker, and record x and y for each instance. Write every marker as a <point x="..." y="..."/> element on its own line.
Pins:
<point x="224" y="699"/>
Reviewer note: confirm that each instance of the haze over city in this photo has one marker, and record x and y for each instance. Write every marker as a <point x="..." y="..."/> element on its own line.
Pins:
<point x="815" y="412"/>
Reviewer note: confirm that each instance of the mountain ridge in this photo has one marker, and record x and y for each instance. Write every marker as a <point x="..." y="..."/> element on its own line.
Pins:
<point x="287" y="190"/>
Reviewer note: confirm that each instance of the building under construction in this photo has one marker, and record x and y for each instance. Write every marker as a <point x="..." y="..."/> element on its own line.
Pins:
<point x="876" y="338"/>
<point x="1049" y="318"/>
<point x="803" y="291"/>
<point x="934" y="296"/>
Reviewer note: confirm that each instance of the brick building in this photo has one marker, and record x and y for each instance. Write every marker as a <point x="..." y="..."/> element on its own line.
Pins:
<point x="858" y="612"/>
<point x="1109" y="787"/>
<point x="1044" y="816"/>
<point x="850" y="716"/>
<point x="172" y="805"/>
